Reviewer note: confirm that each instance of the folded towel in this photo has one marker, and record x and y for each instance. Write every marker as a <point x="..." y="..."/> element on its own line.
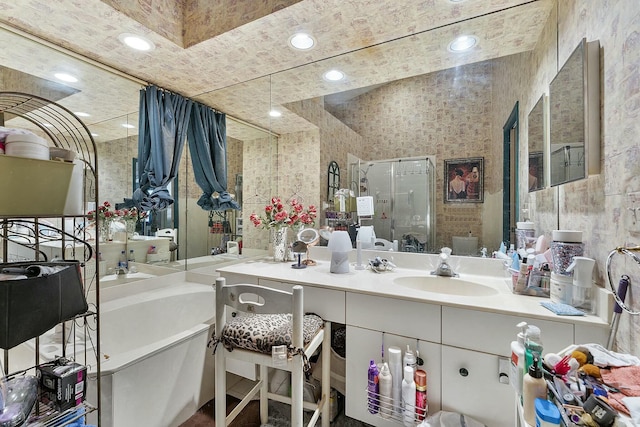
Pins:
<point x="626" y="379"/>
<point x="604" y="358"/>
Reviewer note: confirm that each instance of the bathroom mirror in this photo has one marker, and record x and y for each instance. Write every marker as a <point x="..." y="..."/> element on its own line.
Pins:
<point x="536" y="143"/>
<point x="574" y="114"/>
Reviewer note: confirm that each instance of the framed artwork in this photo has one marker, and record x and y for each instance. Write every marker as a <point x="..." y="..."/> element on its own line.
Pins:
<point x="464" y="180"/>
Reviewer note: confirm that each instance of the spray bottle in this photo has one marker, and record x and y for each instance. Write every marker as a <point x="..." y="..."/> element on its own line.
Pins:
<point x="384" y="383"/>
<point x="410" y="359"/>
<point x="373" y="388"/>
<point x="408" y="397"/>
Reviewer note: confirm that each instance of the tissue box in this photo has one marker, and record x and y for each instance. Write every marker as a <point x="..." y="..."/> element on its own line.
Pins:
<point x="63" y="386"/>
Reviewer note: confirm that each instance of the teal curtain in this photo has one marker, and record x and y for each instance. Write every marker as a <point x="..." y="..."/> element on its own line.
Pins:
<point x="207" y="136"/>
<point x="163" y="122"/>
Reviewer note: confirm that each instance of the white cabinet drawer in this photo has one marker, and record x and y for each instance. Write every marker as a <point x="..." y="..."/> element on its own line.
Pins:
<point x="326" y="303"/>
<point x="406" y="318"/>
<point x="492" y="333"/>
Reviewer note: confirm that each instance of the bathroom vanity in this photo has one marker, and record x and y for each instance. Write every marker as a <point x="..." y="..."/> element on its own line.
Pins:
<point x="461" y="326"/>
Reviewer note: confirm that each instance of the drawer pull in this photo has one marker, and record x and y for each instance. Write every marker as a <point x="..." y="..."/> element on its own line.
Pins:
<point x="463" y="372"/>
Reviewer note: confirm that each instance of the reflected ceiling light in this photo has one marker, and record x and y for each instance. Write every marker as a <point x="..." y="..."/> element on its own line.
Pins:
<point x="302" y="41"/>
<point x="128" y="126"/>
<point x="462" y="43"/>
<point x="47" y="125"/>
<point x="275" y="113"/>
<point x="94" y="134"/>
<point x="136" y="42"/>
<point x="81" y="114"/>
<point x="66" y="77"/>
<point x="333" y="75"/>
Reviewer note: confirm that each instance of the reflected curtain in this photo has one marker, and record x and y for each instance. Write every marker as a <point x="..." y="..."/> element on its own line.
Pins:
<point x="163" y="122"/>
<point x="207" y="136"/>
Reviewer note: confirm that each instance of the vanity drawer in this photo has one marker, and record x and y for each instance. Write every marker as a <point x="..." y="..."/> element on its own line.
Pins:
<point x="492" y="333"/>
<point x="326" y="303"/>
<point x="405" y="318"/>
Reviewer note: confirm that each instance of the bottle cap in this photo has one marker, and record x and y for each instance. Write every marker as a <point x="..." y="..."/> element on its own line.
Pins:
<point x="534" y="369"/>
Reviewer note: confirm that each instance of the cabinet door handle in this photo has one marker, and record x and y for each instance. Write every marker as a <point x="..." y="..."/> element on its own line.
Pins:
<point x="463" y="372"/>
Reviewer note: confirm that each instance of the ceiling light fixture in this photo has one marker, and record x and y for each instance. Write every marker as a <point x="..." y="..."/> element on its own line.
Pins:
<point x="81" y="114"/>
<point x="275" y="113"/>
<point x="128" y="126"/>
<point x="462" y="43"/>
<point x="66" y="77"/>
<point x="302" y="41"/>
<point x="333" y="75"/>
<point x="136" y="42"/>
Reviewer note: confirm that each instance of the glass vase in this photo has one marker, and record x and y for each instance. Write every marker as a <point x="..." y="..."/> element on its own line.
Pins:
<point x="280" y="244"/>
<point x="104" y="230"/>
<point x="131" y="227"/>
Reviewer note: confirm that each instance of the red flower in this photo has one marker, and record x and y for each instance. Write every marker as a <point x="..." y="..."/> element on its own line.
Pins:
<point x="277" y="216"/>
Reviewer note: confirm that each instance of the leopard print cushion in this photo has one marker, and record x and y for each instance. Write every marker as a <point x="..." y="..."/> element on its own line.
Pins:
<point x="260" y="332"/>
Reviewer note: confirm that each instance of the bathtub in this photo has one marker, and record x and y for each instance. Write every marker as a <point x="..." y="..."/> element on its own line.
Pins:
<point x="156" y="369"/>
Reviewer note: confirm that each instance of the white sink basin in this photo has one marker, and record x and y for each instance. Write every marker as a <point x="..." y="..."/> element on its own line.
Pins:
<point x="445" y="285"/>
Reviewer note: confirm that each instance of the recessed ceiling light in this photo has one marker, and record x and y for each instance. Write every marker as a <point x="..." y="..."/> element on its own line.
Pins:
<point x="94" y="134"/>
<point x="302" y="41"/>
<point x="65" y="77"/>
<point x="456" y="1"/>
<point x="275" y="113"/>
<point x="128" y="126"/>
<point x="136" y="42"/>
<point x="333" y="75"/>
<point x="81" y="114"/>
<point x="47" y="125"/>
<point x="462" y="43"/>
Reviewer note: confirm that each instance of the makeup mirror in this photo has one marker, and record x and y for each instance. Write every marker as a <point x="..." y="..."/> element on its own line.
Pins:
<point x="310" y="237"/>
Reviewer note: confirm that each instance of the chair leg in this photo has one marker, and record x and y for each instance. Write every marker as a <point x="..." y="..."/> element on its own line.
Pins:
<point x="297" y="384"/>
<point x="264" y="398"/>
<point x="326" y="375"/>
<point x="221" y="388"/>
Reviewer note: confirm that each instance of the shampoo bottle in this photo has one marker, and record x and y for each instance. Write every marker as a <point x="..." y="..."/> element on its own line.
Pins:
<point x="408" y="397"/>
<point x="395" y="366"/>
<point x="517" y="358"/>
<point x="384" y="384"/>
<point x="373" y="388"/>
<point x="533" y="386"/>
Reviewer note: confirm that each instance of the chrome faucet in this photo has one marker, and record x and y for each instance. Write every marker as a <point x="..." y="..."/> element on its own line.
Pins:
<point x="443" y="268"/>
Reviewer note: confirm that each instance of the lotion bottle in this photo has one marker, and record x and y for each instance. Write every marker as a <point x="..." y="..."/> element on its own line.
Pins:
<point x="384" y="384"/>
<point x="408" y="397"/>
<point x="533" y="386"/>
<point x="395" y="366"/>
<point x="517" y="358"/>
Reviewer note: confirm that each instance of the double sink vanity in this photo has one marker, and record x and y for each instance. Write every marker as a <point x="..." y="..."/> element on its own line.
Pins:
<point x="461" y="326"/>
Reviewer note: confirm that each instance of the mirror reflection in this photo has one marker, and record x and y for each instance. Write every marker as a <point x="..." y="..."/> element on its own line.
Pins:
<point x="536" y="140"/>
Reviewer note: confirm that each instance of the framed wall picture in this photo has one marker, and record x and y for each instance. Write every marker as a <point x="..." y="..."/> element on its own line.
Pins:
<point x="464" y="180"/>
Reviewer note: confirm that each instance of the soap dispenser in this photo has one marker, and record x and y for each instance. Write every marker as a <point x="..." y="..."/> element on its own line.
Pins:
<point x="582" y="268"/>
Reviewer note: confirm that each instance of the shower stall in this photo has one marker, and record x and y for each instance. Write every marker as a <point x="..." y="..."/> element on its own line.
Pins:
<point x="403" y="192"/>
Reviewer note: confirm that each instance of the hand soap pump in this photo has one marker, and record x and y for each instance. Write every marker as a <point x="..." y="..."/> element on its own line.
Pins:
<point x="517" y="358"/>
<point x="533" y="386"/>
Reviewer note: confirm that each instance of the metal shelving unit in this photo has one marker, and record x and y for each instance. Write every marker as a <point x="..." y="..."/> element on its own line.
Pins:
<point x="31" y="237"/>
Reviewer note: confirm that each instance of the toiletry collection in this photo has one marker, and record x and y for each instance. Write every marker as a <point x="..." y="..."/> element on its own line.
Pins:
<point x="397" y="389"/>
<point x="582" y="385"/>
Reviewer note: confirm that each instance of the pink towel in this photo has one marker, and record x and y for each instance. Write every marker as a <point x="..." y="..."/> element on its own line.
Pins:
<point x="627" y="380"/>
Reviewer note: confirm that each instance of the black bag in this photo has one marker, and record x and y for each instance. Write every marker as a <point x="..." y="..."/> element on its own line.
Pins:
<point x="31" y="306"/>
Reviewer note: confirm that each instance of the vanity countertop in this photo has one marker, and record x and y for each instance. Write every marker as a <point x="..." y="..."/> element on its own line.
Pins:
<point x="487" y="272"/>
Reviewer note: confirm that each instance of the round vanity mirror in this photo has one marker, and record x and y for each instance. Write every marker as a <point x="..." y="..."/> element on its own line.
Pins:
<point x="299" y="247"/>
<point x="309" y="236"/>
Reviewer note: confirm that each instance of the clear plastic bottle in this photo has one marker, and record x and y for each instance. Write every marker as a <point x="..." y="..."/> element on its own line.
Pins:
<point x="122" y="261"/>
<point x="132" y="256"/>
<point x="532" y="346"/>
<point x="408" y="397"/>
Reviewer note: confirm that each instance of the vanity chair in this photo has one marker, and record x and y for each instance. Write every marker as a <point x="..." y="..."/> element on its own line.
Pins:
<point x="263" y="319"/>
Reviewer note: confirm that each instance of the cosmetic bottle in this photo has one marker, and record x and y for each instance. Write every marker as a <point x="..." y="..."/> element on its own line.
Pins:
<point x="122" y="262"/>
<point x="372" y="388"/>
<point x="533" y="386"/>
<point x="384" y="385"/>
<point x="518" y="359"/>
<point x="422" y="406"/>
<point x="410" y="359"/>
<point x="408" y="397"/>
<point x="532" y="346"/>
<point x="395" y="366"/>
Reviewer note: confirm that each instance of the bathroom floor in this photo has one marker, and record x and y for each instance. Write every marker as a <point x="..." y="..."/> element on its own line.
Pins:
<point x="250" y="416"/>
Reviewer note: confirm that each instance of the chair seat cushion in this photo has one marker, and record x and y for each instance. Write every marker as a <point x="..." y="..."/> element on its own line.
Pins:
<point x="260" y="332"/>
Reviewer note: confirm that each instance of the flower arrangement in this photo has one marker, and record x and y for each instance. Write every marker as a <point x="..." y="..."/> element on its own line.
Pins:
<point x="105" y="213"/>
<point x="276" y="216"/>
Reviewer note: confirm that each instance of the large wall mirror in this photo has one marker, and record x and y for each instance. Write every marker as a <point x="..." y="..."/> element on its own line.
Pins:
<point x="536" y="143"/>
<point x="574" y="112"/>
<point x="390" y="105"/>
